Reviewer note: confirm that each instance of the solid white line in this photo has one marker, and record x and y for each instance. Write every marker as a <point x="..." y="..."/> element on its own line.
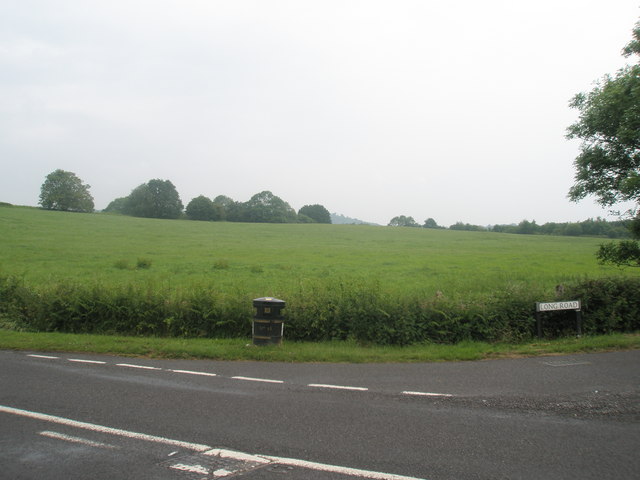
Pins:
<point x="250" y="379"/>
<point x="189" y="372"/>
<point x="337" y="387"/>
<point x="69" y="438"/>
<point x="143" y="367"/>
<point x="355" y="472"/>
<point x="80" y="360"/>
<point x="41" y="356"/>
<point x="428" y="394"/>
<point x="205" y="449"/>
<point x="243" y="457"/>
<point x="99" y="428"/>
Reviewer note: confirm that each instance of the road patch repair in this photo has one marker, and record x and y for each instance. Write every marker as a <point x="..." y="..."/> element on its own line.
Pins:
<point x="206" y="460"/>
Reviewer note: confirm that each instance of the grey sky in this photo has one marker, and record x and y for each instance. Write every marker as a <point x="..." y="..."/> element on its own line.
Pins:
<point x="454" y="110"/>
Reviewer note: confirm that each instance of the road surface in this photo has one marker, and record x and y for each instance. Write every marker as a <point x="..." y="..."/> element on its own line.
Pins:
<point x="65" y="416"/>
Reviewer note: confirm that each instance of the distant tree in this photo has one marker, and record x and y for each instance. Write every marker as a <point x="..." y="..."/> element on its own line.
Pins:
<point x="116" y="206"/>
<point x="202" y="208"/>
<point x="573" y="230"/>
<point x="608" y="165"/>
<point x="154" y="199"/>
<point x="302" y="218"/>
<point x="430" y="223"/>
<point x="65" y="191"/>
<point x="316" y="212"/>
<point x="402" y="221"/>
<point x="467" y="227"/>
<point x="265" y="207"/>
<point x="528" y="228"/>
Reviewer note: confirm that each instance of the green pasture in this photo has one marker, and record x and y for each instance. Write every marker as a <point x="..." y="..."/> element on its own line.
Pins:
<point x="45" y="247"/>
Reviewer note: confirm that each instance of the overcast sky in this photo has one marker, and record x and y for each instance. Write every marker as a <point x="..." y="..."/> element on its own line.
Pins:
<point x="455" y="110"/>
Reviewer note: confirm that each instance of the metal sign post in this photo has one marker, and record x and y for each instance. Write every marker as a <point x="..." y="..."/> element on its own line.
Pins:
<point x="555" y="306"/>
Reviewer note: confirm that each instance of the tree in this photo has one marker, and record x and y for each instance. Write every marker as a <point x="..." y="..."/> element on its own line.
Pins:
<point x="316" y="212"/>
<point x="265" y="207"/>
<point x="202" y="208"/>
<point x="116" y="206"/>
<point x="608" y="165"/>
<point x="65" y="191"/>
<point x="402" y="221"/>
<point x="430" y="223"/>
<point x="154" y="199"/>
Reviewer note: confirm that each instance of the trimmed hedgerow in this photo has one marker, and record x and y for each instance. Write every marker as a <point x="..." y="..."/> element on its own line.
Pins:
<point x="347" y="309"/>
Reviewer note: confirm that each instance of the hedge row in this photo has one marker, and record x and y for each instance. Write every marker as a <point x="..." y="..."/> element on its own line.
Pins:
<point x="357" y="310"/>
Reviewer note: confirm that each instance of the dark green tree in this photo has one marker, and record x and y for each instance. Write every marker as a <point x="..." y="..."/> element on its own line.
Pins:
<point x="402" y="221"/>
<point x="265" y="207"/>
<point x="316" y="212"/>
<point x="154" y="199"/>
<point x="203" y="208"/>
<point x="608" y="165"/>
<point x="116" y="206"/>
<point x="430" y="223"/>
<point x="65" y="191"/>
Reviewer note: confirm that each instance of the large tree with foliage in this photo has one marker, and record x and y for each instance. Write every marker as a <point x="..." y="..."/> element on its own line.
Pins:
<point x="403" y="221"/>
<point x="65" y="191"/>
<point x="608" y="165"/>
<point x="265" y="207"/>
<point x="154" y="199"/>
<point x="202" y="208"/>
<point x="316" y="212"/>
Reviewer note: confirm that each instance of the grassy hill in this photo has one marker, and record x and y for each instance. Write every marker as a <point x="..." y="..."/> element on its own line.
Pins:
<point x="180" y="277"/>
<point x="267" y="259"/>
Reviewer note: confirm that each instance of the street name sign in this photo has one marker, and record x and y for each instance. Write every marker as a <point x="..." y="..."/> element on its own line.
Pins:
<point x="553" y="306"/>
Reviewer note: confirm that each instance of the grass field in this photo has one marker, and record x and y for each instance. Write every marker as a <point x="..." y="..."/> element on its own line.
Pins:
<point x="106" y="274"/>
<point x="44" y="247"/>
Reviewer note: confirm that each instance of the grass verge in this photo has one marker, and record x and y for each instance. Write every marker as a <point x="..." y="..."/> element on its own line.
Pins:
<point x="342" y="352"/>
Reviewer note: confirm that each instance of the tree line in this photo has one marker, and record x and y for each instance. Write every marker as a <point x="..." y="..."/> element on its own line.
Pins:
<point x="591" y="228"/>
<point x="157" y="198"/>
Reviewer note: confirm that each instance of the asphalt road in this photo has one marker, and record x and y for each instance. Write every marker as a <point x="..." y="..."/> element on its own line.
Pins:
<point x="89" y="416"/>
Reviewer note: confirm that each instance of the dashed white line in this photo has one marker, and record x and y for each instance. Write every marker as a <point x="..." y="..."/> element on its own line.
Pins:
<point x="81" y="360"/>
<point x="143" y="367"/>
<point x="72" y="439"/>
<point x="337" y="387"/>
<point x="42" y="356"/>
<point x="189" y="372"/>
<point x="428" y="394"/>
<point x="264" y="380"/>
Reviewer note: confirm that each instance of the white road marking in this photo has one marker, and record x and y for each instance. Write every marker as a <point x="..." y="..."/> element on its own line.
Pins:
<point x="222" y="473"/>
<point x="191" y="468"/>
<point x="72" y="439"/>
<point x="243" y="457"/>
<point x="143" y="367"/>
<point x="338" y="387"/>
<point x="205" y="449"/>
<point x="99" y="428"/>
<point x="189" y="372"/>
<point x="42" y="356"/>
<point x="251" y="379"/>
<point x="428" y="394"/>
<point x="355" y="472"/>
<point x="565" y="363"/>
<point x="81" y="360"/>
